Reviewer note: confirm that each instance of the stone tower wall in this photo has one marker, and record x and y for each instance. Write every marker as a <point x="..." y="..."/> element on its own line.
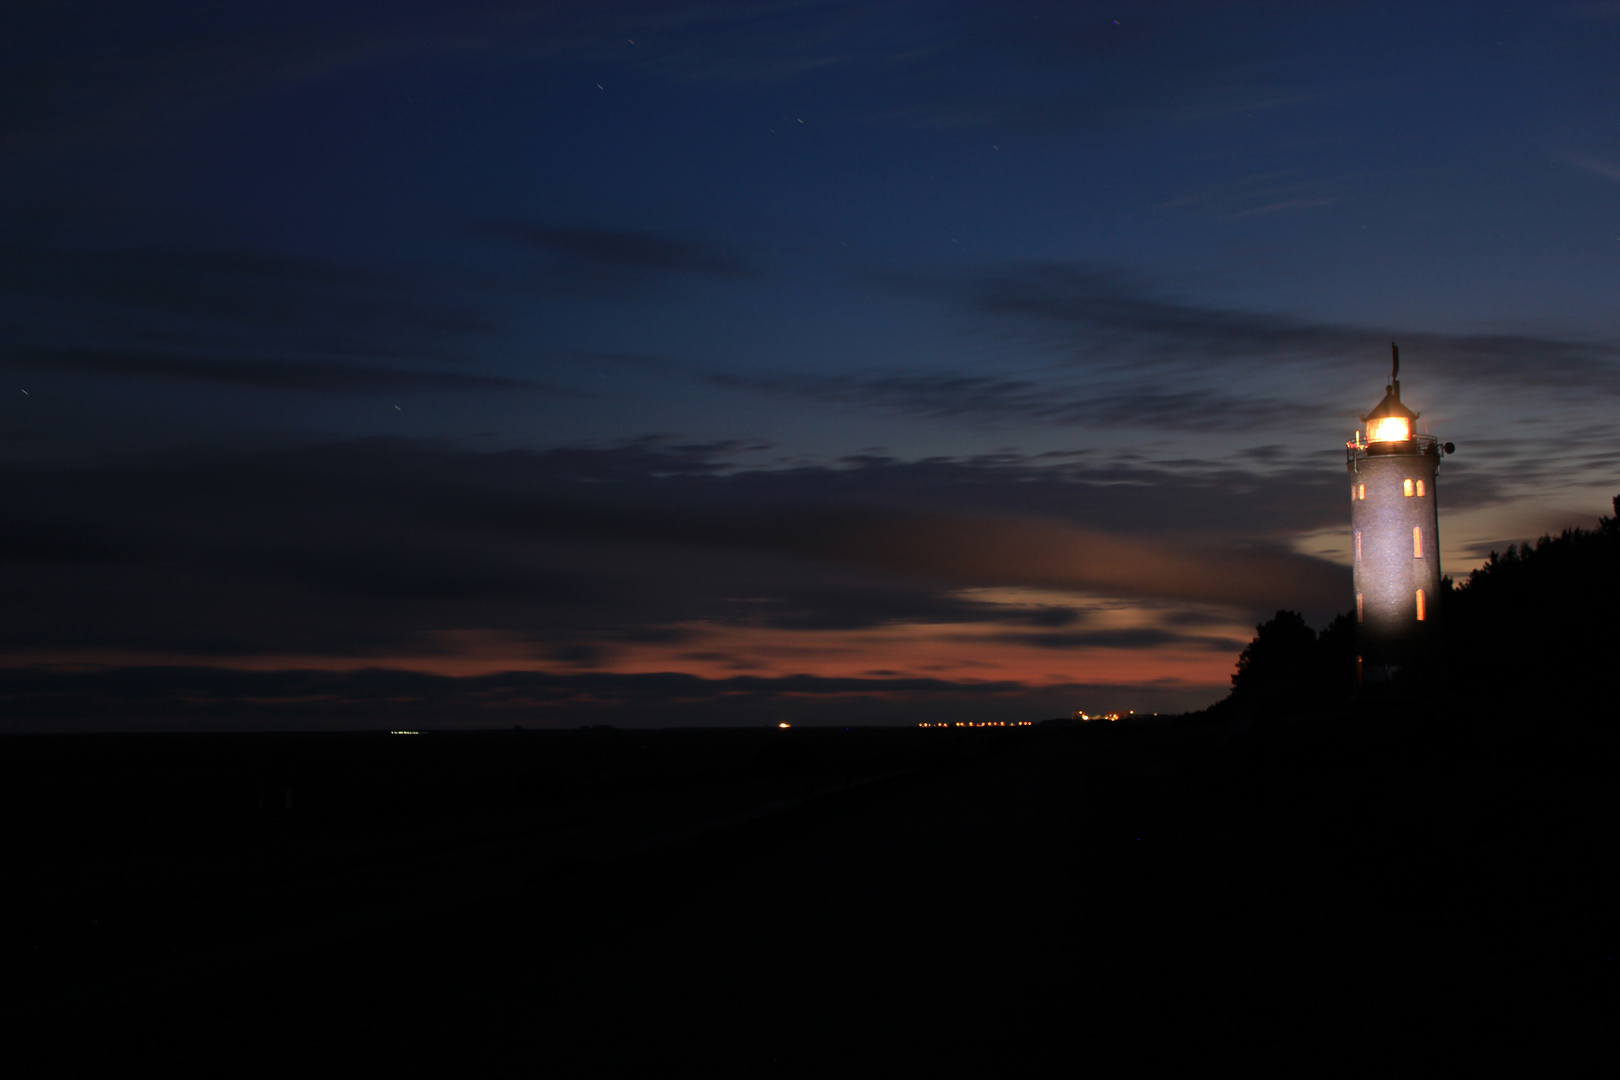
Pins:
<point x="1388" y="572"/>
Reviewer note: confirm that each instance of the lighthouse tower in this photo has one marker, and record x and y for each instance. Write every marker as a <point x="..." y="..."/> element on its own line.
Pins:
<point x="1395" y="524"/>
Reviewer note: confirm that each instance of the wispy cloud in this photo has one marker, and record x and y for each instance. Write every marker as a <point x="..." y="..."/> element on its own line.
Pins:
<point x="102" y="73"/>
<point x="1118" y="352"/>
<point x="612" y="260"/>
<point x="351" y="548"/>
<point x="999" y="400"/>
<point x="1045" y="66"/>
<point x="1609" y="170"/>
<point x="1110" y="318"/>
<point x="263" y="373"/>
<point x="1285" y="206"/>
<point x="238" y="316"/>
<point x="1136" y="638"/>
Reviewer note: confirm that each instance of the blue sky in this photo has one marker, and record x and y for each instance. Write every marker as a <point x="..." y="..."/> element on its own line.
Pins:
<point x="1009" y="348"/>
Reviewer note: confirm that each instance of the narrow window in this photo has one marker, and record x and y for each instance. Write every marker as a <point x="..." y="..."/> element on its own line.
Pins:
<point x="1361" y="491"/>
<point x="1420" y="489"/>
<point x="1421" y="612"/>
<point x="1358" y="607"/>
<point x="1406" y="488"/>
<point x="1352" y="493"/>
<point x="1358" y="545"/>
<point x="1417" y="543"/>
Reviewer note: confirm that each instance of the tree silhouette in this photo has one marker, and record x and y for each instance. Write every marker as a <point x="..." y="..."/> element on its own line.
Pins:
<point x="1279" y="661"/>
<point x="1289" y="667"/>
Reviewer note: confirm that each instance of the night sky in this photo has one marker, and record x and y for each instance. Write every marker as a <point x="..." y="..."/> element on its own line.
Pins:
<point x="677" y="363"/>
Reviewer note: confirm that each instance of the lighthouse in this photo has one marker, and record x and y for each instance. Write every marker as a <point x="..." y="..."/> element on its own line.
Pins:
<point x="1395" y="526"/>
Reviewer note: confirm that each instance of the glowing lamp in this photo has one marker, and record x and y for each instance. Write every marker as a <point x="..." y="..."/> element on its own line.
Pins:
<point x="1390" y="421"/>
<point x="1389" y="429"/>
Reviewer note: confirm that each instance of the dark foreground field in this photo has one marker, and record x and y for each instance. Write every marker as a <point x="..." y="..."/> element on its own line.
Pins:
<point x="1355" y="894"/>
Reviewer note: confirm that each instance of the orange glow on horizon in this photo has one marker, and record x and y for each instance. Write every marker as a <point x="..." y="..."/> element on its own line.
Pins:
<point x="943" y="652"/>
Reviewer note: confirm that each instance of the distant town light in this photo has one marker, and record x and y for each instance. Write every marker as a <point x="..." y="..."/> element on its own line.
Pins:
<point x="404" y="733"/>
<point x="784" y="723"/>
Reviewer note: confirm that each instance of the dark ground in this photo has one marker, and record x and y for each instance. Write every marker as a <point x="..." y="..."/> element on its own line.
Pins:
<point x="1342" y="894"/>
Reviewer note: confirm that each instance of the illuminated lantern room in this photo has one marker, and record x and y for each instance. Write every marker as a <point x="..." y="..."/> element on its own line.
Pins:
<point x="1395" y="534"/>
<point x="1390" y="422"/>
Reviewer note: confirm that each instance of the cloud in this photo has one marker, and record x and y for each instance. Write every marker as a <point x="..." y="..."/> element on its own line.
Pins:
<point x="100" y="74"/>
<point x="1100" y="310"/>
<point x="1285" y="206"/>
<point x="374" y="547"/>
<point x="1121" y="353"/>
<point x="1045" y="68"/>
<point x="615" y="262"/>
<point x="1609" y="170"/>
<point x="1006" y="400"/>
<point x="1135" y="638"/>
<point x="238" y="316"/>
<point x="1115" y="327"/>
<point x="236" y="292"/>
<point x="1040" y="67"/>
<point x="267" y="374"/>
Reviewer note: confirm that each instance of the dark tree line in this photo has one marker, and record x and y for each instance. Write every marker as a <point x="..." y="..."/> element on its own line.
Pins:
<point x="1537" y="625"/>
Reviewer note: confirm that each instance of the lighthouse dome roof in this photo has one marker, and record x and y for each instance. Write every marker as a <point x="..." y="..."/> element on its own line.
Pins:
<point x="1391" y="405"/>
